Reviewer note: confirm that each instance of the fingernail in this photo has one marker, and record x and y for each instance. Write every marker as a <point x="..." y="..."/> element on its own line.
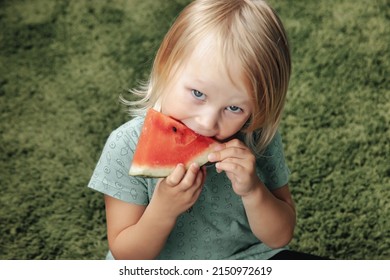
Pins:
<point x="211" y="157"/>
<point x="216" y="167"/>
<point x="194" y="167"/>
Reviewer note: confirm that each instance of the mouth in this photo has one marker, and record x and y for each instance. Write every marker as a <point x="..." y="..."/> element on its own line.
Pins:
<point x="202" y="133"/>
<point x="199" y="132"/>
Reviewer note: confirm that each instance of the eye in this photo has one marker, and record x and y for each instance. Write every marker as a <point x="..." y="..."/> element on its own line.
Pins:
<point x="234" y="109"/>
<point x="198" y="95"/>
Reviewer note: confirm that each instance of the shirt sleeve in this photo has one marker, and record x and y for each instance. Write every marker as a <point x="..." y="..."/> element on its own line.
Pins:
<point x="111" y="174"/>
<point x="271" y="165"/>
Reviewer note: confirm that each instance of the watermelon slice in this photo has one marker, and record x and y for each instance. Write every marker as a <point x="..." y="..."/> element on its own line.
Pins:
<point x="165" y="142"/>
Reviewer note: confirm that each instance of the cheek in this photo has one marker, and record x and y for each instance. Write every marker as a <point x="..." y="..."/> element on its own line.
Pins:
<point x="168" y="101"/>
<point x="230" y="128"/>
<point x="170" y="97"/>
<point x="176" y="104"/>
<point x="172" y="107"/>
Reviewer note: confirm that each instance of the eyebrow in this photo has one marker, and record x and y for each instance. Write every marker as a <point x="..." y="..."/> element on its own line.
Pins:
<point x="199" y="81"/>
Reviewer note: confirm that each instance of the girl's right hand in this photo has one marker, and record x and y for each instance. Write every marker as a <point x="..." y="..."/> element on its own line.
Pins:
<point x="176" y="193"/>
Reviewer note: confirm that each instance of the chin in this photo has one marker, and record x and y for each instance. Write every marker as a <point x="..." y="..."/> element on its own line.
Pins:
<point x="226" y="139"/>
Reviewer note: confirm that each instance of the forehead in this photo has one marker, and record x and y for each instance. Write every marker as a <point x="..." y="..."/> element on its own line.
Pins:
<point x="208" y="58"/>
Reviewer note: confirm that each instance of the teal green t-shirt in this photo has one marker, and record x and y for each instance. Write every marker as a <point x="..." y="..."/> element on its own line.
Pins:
<point x="216" y="227"/>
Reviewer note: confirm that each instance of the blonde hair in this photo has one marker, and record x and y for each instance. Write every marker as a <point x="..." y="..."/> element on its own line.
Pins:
<point x="248" y="30"/>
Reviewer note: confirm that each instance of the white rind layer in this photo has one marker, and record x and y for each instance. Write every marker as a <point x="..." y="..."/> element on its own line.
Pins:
<point x="160" y="172"/>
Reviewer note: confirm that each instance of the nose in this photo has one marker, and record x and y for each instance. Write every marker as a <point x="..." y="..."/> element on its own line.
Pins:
<point x="207" y="124"/>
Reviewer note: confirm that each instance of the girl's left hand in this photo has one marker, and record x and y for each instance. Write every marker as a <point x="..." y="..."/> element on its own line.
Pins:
<point x="239" y="163"/>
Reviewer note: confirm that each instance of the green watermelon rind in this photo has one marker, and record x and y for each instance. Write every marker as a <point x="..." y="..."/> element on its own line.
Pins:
<point x="161" y="172"/>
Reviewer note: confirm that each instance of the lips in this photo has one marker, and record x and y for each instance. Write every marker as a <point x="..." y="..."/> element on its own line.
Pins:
<point x="203" y="133"/>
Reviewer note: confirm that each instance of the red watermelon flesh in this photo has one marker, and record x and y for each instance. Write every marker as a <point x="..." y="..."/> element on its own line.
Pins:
<point x="164" y="143"/>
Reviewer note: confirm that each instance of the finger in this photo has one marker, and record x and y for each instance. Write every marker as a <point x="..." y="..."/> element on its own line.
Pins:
<point x="176" y="176"/>
<point x="197" y="192"/>
<point x="199" y="183"/>
<point x="190" y="176"/>
<point x="204" y="173"/>
<point x="200" y="178"/>
<point x="231" y="146"/>
<point x="239" y="152"/>
<point x="231" y="167"/>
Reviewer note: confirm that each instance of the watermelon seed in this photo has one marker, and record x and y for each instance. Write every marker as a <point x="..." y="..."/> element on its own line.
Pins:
<point x="174" y="129"/>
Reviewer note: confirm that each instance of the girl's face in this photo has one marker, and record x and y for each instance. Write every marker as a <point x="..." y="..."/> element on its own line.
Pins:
<point x="203" y="96"/>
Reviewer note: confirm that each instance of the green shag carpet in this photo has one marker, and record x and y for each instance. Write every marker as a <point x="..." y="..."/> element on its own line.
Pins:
<point x="63" y="65"/>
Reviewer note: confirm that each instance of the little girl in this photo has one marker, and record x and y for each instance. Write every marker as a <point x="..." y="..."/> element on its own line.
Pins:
<point x="222" y="70"/>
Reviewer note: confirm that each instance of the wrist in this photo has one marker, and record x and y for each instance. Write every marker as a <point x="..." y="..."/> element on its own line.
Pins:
<point x="160" y="218"/>
<point x="256" y="194"/>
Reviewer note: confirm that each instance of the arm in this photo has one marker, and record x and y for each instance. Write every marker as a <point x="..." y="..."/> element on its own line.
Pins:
<point x="130" y="227"/>
<point x="140" y="232"/>
<point x="271" y="215"/>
